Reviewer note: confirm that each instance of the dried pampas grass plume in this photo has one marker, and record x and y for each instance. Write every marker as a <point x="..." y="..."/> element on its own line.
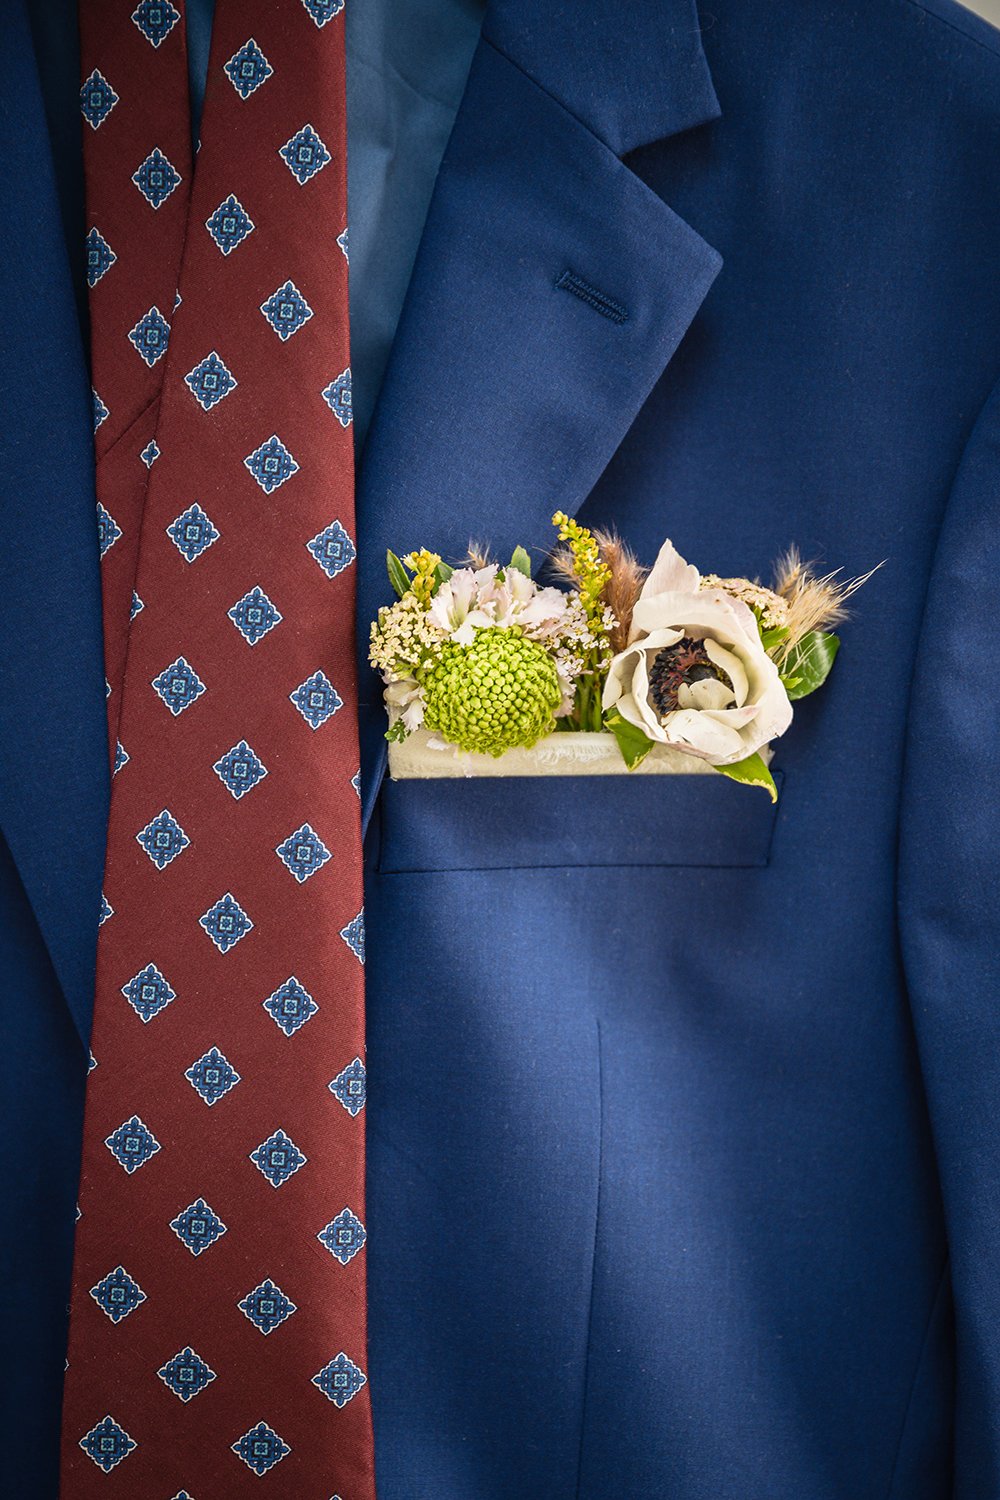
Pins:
<point x="814" y="603"/>
<point x="476" y="556"/>
<point x="623" y="587"/>
<point x="562" y="564"/>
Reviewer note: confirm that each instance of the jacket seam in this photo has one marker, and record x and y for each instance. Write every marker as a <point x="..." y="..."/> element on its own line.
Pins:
<point x="918" y="1368"/>
<point x="918" y="641"/>
<point x="593" y="1264"/>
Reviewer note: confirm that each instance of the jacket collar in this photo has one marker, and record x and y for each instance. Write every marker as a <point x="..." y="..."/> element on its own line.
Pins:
<point x="632" y="73"/>
<point x="550" y="290"/>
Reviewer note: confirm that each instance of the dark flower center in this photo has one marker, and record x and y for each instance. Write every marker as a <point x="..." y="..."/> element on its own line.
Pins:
<point x="685" y="661"/>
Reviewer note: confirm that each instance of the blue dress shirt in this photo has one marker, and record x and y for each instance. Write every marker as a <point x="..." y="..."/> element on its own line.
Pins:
<point x="407" y="63"/>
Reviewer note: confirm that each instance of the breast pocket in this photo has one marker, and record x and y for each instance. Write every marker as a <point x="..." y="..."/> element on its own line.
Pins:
<point x="582" y="821"/>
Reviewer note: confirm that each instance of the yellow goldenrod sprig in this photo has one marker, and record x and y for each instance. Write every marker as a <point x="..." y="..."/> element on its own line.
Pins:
<point x="580" y="559"/>
<point x="423" y="565"/>
<point x="592" y="574"/>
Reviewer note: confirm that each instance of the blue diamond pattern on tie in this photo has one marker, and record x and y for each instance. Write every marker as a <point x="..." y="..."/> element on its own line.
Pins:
<point x="148" y="992"/>
<point x="192" y="532"/>
<point x="229" y="225"/>
<point x="178" y="685"/>
<point x="107" y="910"/>
<point x="316" y="699"/>
<point x="198" y="1227"/>
<point x="278" y="1158"/>
<point x="156" y="178"/>
<point x="100" y="256"/>
<point x="240" y="769"/>
<point x="338" y="397"/>
<point x="290" y="1006"/>
<point x="261" y="1448"/>
<point x="267" y="1307"/>
<point x="163" y="839"/>
<point x="107" y="1444"/>
<point x="132" y="1144"/>
<point x="97" y="100"/>
<point x="186" y="1374"/>
<point x="344" y="1236"/>
<point x="356" y="781"/>
<point x="286" y="310"/>
<point x="303" y="852"/>
<point x="342" y="242"/>
<point x="212" y="1076"/>
<point x="121" y="757"/>
<point x="349" y="1087"/>
<point x="151" y="335"/>
<point x="108" y="530"/>
<point x="304" y="154"/>
<point x="247" y="69"/>
<point x="136" y="606"/>
<point x="156" y="19"/>
<point x="150" y="454"/>
<point x="354" y="936"/>
<point x="100" y="410"/>
<point x="226" y="922"/>
<point x="271" y="464"/>
<point x="118" y="1294"/>
<point x="340" y="1380"/>
<point x="323" y="10"/>
<point x="254" y="615"/>
<point x="209" y="381"/>
<point x="333" y="549"/>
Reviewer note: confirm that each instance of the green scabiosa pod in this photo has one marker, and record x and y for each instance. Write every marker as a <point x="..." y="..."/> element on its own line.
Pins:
<point x="498" y="692"/>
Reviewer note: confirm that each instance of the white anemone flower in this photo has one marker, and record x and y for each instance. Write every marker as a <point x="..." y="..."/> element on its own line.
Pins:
<point x="722" y="719"/>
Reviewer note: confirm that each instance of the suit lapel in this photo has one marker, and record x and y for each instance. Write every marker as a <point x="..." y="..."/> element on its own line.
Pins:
<point x="53" y="741"/>
<point x="550" y="290"/>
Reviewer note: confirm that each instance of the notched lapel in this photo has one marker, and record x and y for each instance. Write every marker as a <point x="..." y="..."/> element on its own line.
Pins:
<point x="550" y="290"/>
<point x="634" y="72"/>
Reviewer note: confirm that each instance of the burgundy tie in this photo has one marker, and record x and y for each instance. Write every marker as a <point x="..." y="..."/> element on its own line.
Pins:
<point x="218" y="1315"/>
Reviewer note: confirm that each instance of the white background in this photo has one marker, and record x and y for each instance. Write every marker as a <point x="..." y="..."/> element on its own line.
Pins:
<point x="989" y="9"/>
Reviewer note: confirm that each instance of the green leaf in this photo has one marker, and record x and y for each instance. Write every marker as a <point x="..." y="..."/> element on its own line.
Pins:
<point x="807" y="665"/>
<point x="633" y="744"/>
<point x="398" y="576"/>
<point x="773" y="637"/>
<point x="751" y="772"/>
<point x="521" y="561"/>
<point x="441" y="575"/>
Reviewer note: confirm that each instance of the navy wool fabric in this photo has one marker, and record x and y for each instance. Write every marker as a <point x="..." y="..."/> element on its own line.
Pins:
<point x="684" y="1113"/>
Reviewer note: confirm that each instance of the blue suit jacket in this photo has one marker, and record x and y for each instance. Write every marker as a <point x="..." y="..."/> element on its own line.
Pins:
<point x="684" y="1120"/>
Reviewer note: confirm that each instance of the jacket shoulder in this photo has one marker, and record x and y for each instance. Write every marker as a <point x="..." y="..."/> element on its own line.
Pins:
<point x="966" y="22"/>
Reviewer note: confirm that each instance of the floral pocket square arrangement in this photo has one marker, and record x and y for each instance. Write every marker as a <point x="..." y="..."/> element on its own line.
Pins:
<point x="482" y="660"/>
